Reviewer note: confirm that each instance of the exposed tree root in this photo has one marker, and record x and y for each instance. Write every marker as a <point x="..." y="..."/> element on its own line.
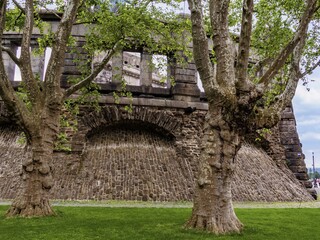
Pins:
<point x="224" y="225"/>
<point x="23" y="208"/>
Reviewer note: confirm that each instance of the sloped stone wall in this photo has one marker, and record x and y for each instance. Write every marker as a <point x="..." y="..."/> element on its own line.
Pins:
<point x="146" y="154"/>
<point x="258" y="177"/>
<point x="149" y="154"/>
<point x="129" y="162"/>
<point x="283" y="145"/>
<point x="11" y="157"/>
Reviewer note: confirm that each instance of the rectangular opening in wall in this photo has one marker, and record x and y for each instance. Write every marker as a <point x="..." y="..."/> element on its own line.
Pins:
<point x="17" y="72"/>
<point x="131" y="67"/>
<point x="47" y="56"/>
<point x="105" y="76"/>
<point x="199" y="82"/>
<point x="38" y="64"/>
<point x="160" y="76"/>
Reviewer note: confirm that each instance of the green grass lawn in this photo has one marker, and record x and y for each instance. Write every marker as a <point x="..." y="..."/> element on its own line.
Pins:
<point x="157" y="223"/>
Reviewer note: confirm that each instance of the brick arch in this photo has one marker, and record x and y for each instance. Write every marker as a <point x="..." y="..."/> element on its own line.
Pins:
<point x="162" y="120"/>
<point x="130" y="124"/>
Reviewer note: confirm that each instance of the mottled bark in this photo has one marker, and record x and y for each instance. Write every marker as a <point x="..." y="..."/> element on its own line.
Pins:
<point x="40" y="120"/>
<point x="33" y="199"/>
<point x="213" y="210"/>
<point x="31" y="83"/>
<point x="244" y="44"/>
<point x="200" y="46"/>
<point x="235" y="106"/>
<point x="223" y="45"/>
<point x="18" y="110"/>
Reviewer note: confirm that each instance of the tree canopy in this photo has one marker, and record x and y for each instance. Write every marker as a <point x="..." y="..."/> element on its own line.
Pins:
<point x="111" y="27"/>
<point x="260" y="49"/>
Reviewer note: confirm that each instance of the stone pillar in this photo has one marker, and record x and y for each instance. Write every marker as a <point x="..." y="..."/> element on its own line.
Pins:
<point x="185" y="78"/>
<point x="117" y="64"/>
<point x="146" y="69"/>
<point x="293" y="151"/>
<point x="9" y="64"/>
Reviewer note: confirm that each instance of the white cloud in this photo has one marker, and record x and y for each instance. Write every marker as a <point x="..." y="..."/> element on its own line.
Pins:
<point x="309" y="99"/>
<point x="307" y="136"/>
<point x="310" y="120"/>
<point x="307" y="112"/>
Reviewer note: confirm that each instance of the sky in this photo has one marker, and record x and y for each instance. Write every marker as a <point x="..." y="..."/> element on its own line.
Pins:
<point x="307" y="112"/>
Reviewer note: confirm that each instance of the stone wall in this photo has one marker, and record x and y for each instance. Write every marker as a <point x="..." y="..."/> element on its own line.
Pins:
<point x="144" y="155"/>
<point x="149" y="154"/>
<point x="291" y="142"/>
<point x="283" y="145"/>
<point x="11" y="156"/>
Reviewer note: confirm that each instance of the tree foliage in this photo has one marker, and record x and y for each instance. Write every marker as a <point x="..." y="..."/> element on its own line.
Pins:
<point x="261" y="50"/>
<point x="39" y="106"/>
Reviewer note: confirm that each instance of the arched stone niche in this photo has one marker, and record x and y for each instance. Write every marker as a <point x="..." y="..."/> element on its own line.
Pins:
<point x="144" y="154"/>
<point x="136" y="160"/>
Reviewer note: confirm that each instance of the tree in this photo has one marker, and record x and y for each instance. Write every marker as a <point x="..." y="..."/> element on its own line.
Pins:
<point x="314" y="175"/>
<point x="38" y="112"/>
<point x="243" y="97"/>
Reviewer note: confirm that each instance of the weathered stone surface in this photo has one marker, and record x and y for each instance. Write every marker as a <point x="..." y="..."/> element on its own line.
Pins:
<point x="291" y="142"/>
<point x="149" y="154"/>
<point x="186" y="89"/>
<point x="258" y="177"/>
<point x="154" y="159"/>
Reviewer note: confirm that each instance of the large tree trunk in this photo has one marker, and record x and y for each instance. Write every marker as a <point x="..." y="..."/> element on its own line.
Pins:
<point x="33" y="199"/>
<point x="213" y="210"/>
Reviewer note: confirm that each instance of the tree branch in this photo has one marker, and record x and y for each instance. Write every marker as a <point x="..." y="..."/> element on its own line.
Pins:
<point x="200" y="46"/>
<point x="50" y="11"/>
<point x="244" y="43"/>
<point x="19" y="111"/>
<point x="27" y="31"/>
<point x="260" y="64"/>
<point x="295" y="74"/>
<point x="19" y="6"/>
<point x="12" y="55"/>
<point x="54" y="69"/>
<point x="25" y="58"/>
<point x="3" y="5"/>
<point x="223" y="45"/>
<point x="285" y="98"/>
<point x="310" y="70"/>
<point x="279" y="62"/>
<point x="92" y="76"/>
